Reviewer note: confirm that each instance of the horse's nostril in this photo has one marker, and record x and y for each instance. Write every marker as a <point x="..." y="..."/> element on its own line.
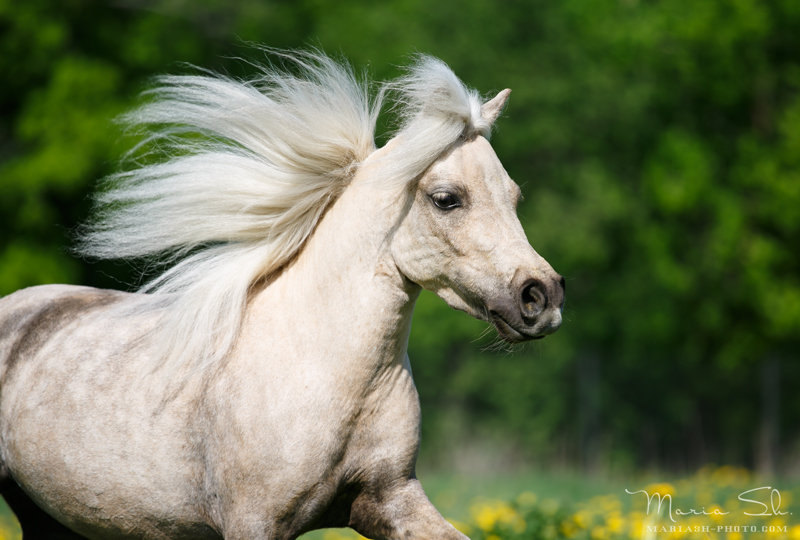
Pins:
<point x="533" y="299"/>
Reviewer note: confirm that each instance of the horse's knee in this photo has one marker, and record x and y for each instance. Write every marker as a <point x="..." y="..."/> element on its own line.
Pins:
<point x="402" y="512"/>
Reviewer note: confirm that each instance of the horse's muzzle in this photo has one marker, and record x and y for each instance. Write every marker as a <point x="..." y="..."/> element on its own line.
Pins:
<point x="536" y="310"/>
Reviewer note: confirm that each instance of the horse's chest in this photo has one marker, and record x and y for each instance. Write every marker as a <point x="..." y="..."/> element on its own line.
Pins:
<point x="313" y="445"/>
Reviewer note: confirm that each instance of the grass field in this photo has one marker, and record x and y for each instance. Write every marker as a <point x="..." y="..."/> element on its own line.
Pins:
<point x="458" y="496"/>
<point x="9" y="528"/>
<point x="715" y="503"/>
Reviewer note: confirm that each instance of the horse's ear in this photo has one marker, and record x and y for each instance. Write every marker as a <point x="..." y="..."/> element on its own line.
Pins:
<point x="492" y="108"/>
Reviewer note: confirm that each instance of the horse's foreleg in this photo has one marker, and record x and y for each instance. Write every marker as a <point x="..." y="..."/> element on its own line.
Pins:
<point x="402" y="512"/>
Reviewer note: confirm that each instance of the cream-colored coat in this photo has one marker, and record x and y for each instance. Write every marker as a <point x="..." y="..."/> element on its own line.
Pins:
<point x="313" y="419"/>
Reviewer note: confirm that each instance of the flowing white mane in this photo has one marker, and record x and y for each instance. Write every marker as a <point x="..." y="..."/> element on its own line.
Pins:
<point x="250" y="167"/>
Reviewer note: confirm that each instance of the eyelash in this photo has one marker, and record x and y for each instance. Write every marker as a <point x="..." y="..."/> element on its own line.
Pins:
<point x="445" y="200"/>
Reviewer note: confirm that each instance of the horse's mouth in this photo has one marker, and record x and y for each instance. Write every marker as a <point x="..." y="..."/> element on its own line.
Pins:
<point x="508" y="332"/>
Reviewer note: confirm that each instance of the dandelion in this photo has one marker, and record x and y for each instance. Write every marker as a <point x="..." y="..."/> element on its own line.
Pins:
<point x="599" y="533"/>
<point x="662" y="488"/>
<point x="707" y="500"/>
<point x="615" y="523"/>
<point x="485" y="516"/>
<point x="582" y="519"/>
<point x="637" y="524"/>
<point x="717" y="513"/>
<point x="497" y="513"/>
<point x="568" y="529"/>
<point x="677" y="533"/>
<point x="775" y="528"/>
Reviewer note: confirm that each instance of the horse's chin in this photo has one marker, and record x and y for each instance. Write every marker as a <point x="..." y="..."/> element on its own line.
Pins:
<point x="509" y="333"/>
<point x="455" y="301"/>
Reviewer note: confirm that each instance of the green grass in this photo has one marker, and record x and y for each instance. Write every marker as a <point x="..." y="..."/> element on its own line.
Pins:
<point x="561" y="504"/>
<point x="9" y="527"/>
<point x="454" y="494"/>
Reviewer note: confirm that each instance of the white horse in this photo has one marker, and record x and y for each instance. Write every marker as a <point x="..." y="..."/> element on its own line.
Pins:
<point x="262" y="388"/>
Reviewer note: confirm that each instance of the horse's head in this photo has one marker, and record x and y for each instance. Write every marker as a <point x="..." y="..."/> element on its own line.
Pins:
<point x="461" y="239"/>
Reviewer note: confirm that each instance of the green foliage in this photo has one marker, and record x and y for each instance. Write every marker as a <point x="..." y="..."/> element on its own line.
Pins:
<point x="658" y="147"/>
<point x="9" y="526"/>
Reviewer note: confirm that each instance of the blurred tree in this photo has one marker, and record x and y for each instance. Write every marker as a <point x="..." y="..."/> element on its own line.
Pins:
<point x="657" y="145"/>
<point x="664" y="189"/>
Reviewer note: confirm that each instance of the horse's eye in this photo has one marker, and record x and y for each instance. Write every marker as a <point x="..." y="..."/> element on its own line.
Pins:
<point x="444" y="200"/>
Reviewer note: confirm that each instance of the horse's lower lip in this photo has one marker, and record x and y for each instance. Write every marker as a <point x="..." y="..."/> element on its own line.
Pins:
<point x="508" y="332"/>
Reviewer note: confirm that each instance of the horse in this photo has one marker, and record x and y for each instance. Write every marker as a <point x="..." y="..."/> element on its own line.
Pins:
<point x="260" y="387"/>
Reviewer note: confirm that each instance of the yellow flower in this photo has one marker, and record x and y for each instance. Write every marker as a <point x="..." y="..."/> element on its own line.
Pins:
<point x="734" y="536"/>
<point x="614" y="522"/>
<point x="775" y="527"/>
<point x="717" y="513"/>
<point x="637" y="528"/>
<point x="662" y="489"/>
<point x="484" y="516"/>
<point x="569" y="529"/>
<point x="599" y="533"/>
<point x="491" y="514"/>
<point x="582" y="519"/>
<point x="794" y="532"/>
<point x="677" y="533"/>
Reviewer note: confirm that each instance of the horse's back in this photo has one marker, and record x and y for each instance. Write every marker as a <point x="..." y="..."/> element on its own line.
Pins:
<point x="30" y="316"/>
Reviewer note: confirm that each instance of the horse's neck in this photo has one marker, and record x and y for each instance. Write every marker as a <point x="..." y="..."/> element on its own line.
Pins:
<point x="342" y="300"/>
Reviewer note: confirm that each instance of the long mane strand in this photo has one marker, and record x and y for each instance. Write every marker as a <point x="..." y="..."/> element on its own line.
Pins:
<point x="241" y="172"/>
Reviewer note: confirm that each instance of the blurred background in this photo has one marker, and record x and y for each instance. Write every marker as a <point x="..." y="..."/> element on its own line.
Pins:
<point x="658" y="147"/>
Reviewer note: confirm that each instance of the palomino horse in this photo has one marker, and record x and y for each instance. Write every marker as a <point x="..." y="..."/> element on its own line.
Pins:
<point x="261" y="388"/>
